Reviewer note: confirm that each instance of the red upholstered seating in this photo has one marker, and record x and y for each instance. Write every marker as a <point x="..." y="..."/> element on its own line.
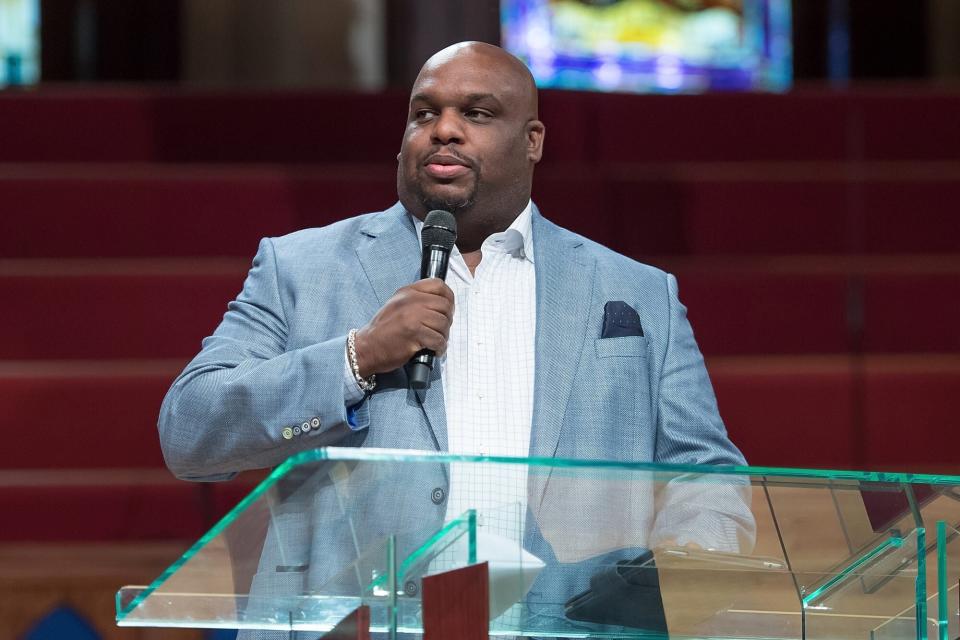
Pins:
<point x="814" y="236"/>
<point x="917" y="215"/>
<point x="166" y="125"/>
<point x="642" y="209"/>
<point x="916" y="308"/>
<point x="807" y="305"/>
<point x="288" y="127"/>
<point x="82" y="415"/>
<point x="170" y="211"/>
<point x="910" y="405"/>
<point x="874" y="412"/>
<point x="906" y="123"/>
<point x="721" y="127"/>
<point x="735" y="210"/>
<point x="743" y="209"/>
<point x="810" y="403"/>
<point x="752" y="310"/>
<point x="76" y="126"/>
<point x="113" y="310"/>
<point x="124" y="504"/>
<point x="164" y="308"/>
<point x="85" y="507"/>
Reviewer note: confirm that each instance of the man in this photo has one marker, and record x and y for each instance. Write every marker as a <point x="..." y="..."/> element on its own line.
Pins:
<point x="549" y="344"/>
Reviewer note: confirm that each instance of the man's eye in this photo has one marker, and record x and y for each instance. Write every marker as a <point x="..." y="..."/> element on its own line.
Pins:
<point x="422" y="115"/>
<point x="479" y="115"/>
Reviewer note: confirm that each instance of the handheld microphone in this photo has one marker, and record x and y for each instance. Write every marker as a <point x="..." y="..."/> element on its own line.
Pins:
<point x="438" y="236"/>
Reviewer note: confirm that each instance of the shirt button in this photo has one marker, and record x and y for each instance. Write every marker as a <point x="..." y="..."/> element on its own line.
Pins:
<point x="305" y="427"/>
<point x="438" y="495"/>
<point x="296" y="431"/>
<point x="315" y="423"/>
<point x="287" y="433"/>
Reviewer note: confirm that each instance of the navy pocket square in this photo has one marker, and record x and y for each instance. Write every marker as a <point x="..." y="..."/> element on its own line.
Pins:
<point x="620" y="320"/>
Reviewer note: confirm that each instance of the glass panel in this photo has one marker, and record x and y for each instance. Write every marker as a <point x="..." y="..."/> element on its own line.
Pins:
<point x="874" y="595"/>
<point x="945" y="602"/>
<point x="574" y="549"/>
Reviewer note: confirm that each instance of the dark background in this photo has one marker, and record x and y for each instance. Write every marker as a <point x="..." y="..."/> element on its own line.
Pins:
<point x="118" y="40"/>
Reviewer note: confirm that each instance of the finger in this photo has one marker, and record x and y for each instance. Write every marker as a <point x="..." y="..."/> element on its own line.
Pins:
<point x="433" y="340"/>
<point x="434" y="302"/>
<point x="435" y="286"/>
<point x="436" y="321"/>
<point x="446" y="292"/>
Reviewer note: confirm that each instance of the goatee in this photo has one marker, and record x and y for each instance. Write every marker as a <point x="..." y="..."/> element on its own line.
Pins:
<point x="431" y="202"/>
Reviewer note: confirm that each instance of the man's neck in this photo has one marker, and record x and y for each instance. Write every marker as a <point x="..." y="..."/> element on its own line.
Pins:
<point x="471" y="250"/>
<point x="472" y="259"/>
<point x="472" y="235"/>
<point x="474" y="225"/>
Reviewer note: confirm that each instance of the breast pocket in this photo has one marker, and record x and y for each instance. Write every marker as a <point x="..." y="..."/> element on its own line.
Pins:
<point x="619" y="392"/>
<point x="624" y="347"/>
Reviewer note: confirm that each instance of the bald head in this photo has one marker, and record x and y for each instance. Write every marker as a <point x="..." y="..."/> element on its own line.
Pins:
<point x="472" y="139"/>
<point x="511" y="70"/>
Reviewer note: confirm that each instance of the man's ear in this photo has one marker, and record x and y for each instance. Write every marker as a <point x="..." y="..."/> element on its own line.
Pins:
<point x="398" y="157"/>
<point x="535" y="134"/>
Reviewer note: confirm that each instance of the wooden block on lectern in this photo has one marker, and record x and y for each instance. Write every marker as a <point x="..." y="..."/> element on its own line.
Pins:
<point x="456" y="604"/>
<point x="355" y="626"/>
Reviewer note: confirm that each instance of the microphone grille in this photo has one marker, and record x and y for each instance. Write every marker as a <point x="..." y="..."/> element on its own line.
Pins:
<point x="439" y="229"/>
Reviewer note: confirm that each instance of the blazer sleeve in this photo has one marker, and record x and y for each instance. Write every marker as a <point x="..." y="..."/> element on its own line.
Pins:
<point x="244" y="401"/>
<point x="689" y="428"/>
<point x="712" y="512"/>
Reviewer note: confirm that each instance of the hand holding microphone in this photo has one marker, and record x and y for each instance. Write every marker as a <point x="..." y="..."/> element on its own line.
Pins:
<point x="414" y="324"/>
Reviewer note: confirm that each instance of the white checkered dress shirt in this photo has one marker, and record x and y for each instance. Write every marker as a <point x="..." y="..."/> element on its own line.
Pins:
<point x="487" y="376"/>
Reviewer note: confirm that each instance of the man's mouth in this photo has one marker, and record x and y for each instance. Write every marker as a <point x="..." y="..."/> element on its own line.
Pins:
<point x="445" y="166"/>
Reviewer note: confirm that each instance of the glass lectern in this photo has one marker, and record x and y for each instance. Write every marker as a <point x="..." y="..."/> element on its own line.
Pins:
<point x="575" y="549"/>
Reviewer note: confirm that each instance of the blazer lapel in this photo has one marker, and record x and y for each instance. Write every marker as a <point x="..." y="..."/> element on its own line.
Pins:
<point x="565" y="273"/>
<point x="390" y="253"/>
<point x="390" y="258"/>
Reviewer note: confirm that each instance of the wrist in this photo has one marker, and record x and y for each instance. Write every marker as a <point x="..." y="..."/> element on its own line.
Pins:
<point x="365" y="366"/>
<point x="365" y="379"/>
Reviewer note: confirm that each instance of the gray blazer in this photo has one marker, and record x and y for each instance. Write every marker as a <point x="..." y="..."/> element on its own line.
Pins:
<point x="277" y="361"/>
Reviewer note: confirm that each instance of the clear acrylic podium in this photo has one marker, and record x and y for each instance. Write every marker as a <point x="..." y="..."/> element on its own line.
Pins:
<point x="575" y="549"/>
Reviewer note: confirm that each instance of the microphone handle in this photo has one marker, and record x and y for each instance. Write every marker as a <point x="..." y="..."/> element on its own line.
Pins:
<point x="433" y="265"/>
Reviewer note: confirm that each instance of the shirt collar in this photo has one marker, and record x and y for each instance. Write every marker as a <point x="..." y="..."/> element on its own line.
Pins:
<point x="522" y="224"/>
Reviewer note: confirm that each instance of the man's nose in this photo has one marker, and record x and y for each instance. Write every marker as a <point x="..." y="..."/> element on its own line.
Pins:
<point x="447" y="128"/>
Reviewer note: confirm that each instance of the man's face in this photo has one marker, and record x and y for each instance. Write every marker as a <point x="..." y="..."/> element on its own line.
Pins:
<point x="467" y="140"/>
